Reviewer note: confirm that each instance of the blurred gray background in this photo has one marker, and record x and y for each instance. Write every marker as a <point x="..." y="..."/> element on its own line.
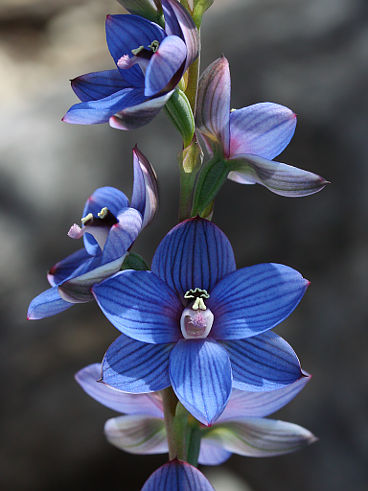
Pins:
<point x="308" y="55"/>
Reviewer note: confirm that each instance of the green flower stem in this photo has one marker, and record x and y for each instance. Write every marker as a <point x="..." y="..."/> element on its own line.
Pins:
<point x="176" y="425"/>
<point x="191" y="92"/>
<point x="194" y="441"/>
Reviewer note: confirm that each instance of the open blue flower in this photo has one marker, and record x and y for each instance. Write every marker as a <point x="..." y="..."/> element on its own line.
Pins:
<point x="241" y="429"/>
<point x="150" y="63"/>
<point x="196" y="323"/>
<point x="251" y="137"/>
<point x="110" y="225"/>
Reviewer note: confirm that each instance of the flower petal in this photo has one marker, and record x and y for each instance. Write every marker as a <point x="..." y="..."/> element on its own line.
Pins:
<point x="97" y="85"/>
<point x="179" y="22"/>
<point x="89" y="379"/>
<point x="178" y="476"/>
<point x="262" y="363"/>
<point x="255" y="299"/>
<point x="200" y="373"/>
<point x="194" y="254"/>
<point x="136" y="116"/>
<point x="105" y="197"/>
<point x="97" y="112"/>
<point x="66" y="267"/>
<point x="213" y="103"/>
<point x="259" y="404"/>
<point x="145" y="189"/>
<point x="259" y="437"/>
<point x="78" y="288"/>
<point x="212" y="453"/>
<point x="127" y="32"/>
<point x="263" y="129"/>
<point x="122" y="235"/>
<point x="141" y="306"/>
<point x="281" y="179"/>
<point x="137" y="434"/>
<point x="164" y="65"/>
<point x="46" y="304"/>
<point x="136" y="367"/>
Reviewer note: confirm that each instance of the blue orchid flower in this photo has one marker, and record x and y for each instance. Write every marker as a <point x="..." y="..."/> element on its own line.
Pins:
<point x="241" y="429"/>
<point x="251" y="137"/>
<point x="150" y="63"/>
<point x="196" y="323"/>
<point x="110" y="225"/>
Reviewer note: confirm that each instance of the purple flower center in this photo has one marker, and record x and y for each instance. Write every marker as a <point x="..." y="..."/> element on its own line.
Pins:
<point x="196" y="320"/>
<point x="98" y="226"/>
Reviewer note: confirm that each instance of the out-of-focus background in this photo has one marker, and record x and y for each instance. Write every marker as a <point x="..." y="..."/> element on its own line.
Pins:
<point x="308" y="55"/>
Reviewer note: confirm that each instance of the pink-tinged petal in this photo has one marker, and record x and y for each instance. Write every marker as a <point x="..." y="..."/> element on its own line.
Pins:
<point x="122" y="235"/>
<point x="89" y="378"/>
<point x="263" y="363"/>
<point x="179" y="22"/>
<point x="259" y="404"/>
<point x="46" y="304"/>
<point x="136" y="116"/>
<point x="254" y="299"/>
<point x="194" y="254"/>
<point x="259" y="437"/>
<point x="145" y="188"/>
<point x="281" y="179"/>
<point x="66" y="267"/>
<point x="137" y="434"/>
<point x="213" y="104"/>
<point x="98" y="112"/>
<point x="141" y="306"/>
<point x="78" y="289"/>
<point x="263" y="129"/>
<point x="98" y="85"/>
<point x="105" y="197"/>
<point x="163" y="71"/>
<point x="200" y="374"/>
<point x="127" y="32"/>
<point x="179" y="476"/>
<point x="211" y="452"/>
<point x="136" y="367"/>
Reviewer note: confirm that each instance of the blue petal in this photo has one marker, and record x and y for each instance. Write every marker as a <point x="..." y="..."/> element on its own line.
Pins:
<point x="127" y="32"/>
<point x="178" y="476"/>
<point x="66" y="267"/>
<point x="212" y="453"/>
<point x="164" y="64"/>
<point x="89" y="379"/>
<point x="255" y="299"/>
<point x="46" y="304"/>
<point x="263" y="129"/>
<point x="132" y="366"/>
<point x="97" y="85"/>
<point x="122" y="234"/>
<point x="141" y="306"/>
<point x="134" y="117"/>
<point x="259" y="404"/>
<point x="179" y="22"/>
<point x="262" y="363"/>
<point x="194" y="254"/>
<point x="200" y="373"/>
<point x="145" y="189"/>
<point x="97" y="112"/>
<point x="109" y="197"/>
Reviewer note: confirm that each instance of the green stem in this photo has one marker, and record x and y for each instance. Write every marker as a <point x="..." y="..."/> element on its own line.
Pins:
<point x="170" y="401"/>
<point x="194" y="443"/>
<point x="190" y="164"/>
<point x="191" y="92"/>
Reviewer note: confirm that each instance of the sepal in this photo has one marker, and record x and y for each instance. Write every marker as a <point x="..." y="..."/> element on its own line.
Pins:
<point x="179" y="476"/>
<point x="180" y="112"/>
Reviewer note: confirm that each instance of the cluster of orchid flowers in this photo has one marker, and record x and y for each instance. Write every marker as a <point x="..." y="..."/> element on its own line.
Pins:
<point x="196" y="368"/>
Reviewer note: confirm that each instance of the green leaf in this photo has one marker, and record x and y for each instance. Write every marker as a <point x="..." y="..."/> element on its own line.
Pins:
<point x="149" y="9"/>
<point x="199" y="8"/>
<point x="211" y="178"/>
<point x="181" y="114"/>
<point x="134" y="261"/>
